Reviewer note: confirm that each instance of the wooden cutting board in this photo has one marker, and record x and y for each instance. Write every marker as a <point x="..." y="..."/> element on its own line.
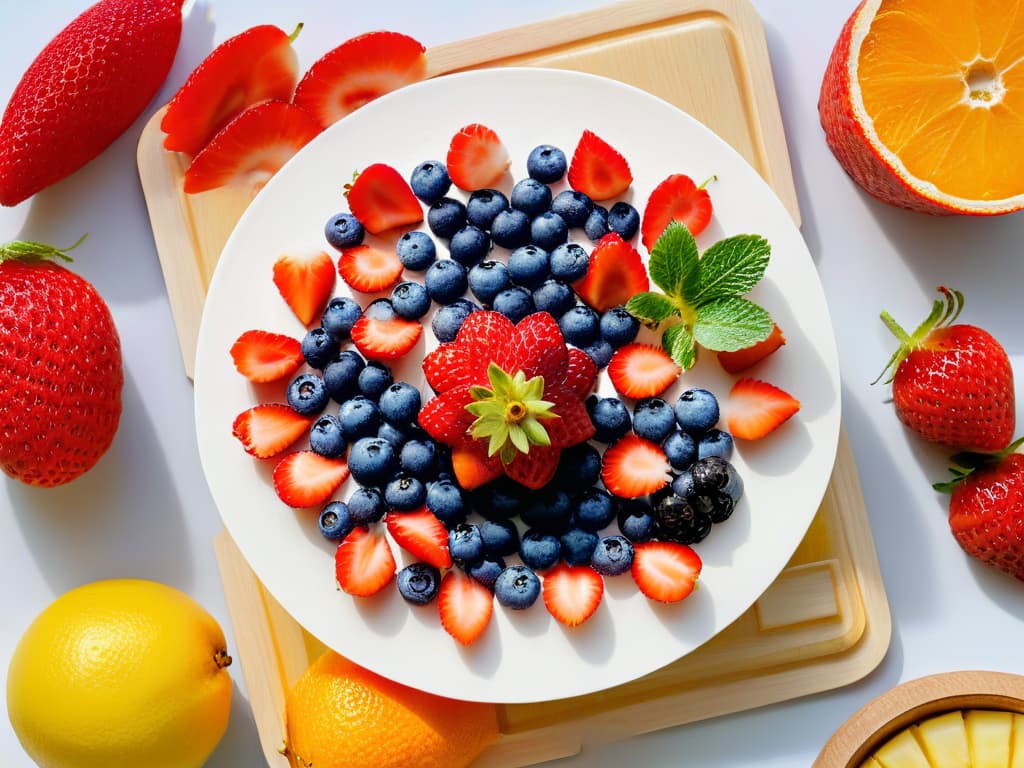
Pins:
<point x="823" y="623"/>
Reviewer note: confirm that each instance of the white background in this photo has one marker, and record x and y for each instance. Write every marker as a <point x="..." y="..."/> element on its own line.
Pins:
<point x="144" y="510"/>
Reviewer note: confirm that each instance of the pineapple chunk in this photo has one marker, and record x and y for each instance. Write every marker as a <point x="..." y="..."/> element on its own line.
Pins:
<point x="1018" y="742"/>
<point x="902" y="751"/>
<point x="944" y="740"/>
<point x="988" y="733"/>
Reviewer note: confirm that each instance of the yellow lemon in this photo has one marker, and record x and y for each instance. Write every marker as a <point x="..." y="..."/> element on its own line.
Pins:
<point x="120" y="672"/>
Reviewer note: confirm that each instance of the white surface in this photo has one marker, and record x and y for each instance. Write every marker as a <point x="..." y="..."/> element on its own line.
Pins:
<point x="144" y="511"/>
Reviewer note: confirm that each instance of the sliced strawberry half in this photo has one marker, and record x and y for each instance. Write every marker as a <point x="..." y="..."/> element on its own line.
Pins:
<point x="756" y="408"/>
<point x="257" y="65"/>
<point x="381" y="199"/>
<point x="466" y="606"/>
<point x="363" y="562"/>
<point x="251" y="148"/>
<point x="598" y="170"/>
<point x="368" y="269"/>
<point x="477" y="158"/>
<point x="267" y="429"/>
<point x="677" y="198"/>
<point x="741" y="359"/>
<point x="572" y="593"/>
<point x="358" y="71"/>
<point x="262" y="356"/>
<point x="380" y="334"/>
<point x="615" y="275"/>
<point x="421" y="535"/>
<point x="306" y="282"/>
<point x="665" y="571"/>
<point x="307" y="479"/>
<point x="642" y="370"/>
<point x="633" y="467"/>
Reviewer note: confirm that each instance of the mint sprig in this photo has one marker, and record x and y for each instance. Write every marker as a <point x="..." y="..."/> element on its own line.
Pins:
<point x="701" y="299"/>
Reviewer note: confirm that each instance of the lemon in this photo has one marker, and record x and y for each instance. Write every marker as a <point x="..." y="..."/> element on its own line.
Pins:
<point x="120" y="672"/>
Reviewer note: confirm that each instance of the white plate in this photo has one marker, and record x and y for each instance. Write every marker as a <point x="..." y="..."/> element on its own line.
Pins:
<point x="523" y="656"/>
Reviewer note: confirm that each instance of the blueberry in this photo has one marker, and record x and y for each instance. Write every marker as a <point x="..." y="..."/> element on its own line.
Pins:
<point x="548" y="231"/>
<point x="366" y="505"/>
<point x="554" y="297"/>
<point x="359" y="417"/>
<point x="680" y="449"/>
<point x="579" y="325"/>
<point x="501" y="537"/>
<point x="487" y="279"/>
<point x="596" y="225"/>
<point x="405" y="492"/>
<point x="335" y="521"/>
<point x="469" y="245"/>
<point x="486" y="571"/>
<point x="483" y="206"/>
<point x="319" y="347"/>
<point x="430" y="181"/>
<point x="517" y="587"/>
<point x="400" y="403"/>
<point x="419" y="583"/>
<point x="574" y="207"/>
<point x="410" y="300"/>
<point x="501" y="499"/>
<point x="540" y="550"/>
<point x="446" y="500"/>
<point x="636" y="520"/>
<point x="343" y="230"/>
<point x="578" y="546"/>
<point x="623" y="219"/>
<point x="618" y="327"/>
<point x="546" y="163"/>
<point x="419" y="459"/>
<point x="696" y="411"/>
<point x="714" y="473"/>
<point x="578" y="467"/>
<point x="341" y="376"/>
<point x="550" y="510"/>
<point x="465" y="543"/>
<point x="530" y="196"/>
<point x="682" y="485"/>
<point x="447" y="321"/>
<point x="374" y="379"/>
<point x="445" y="281"/>
<point x="611" y="419"/>
<point x="596" y="509"/>
<point x="446" y="216"/>
<point x="416" y="250"/>
<point x="515" y="303"/>
<point x="372" y="461"/>
<point x="715" y="442"/>
<point x="600" y="351"/>
<point x="653" y="419"/>
<point x="528" y="266"/>
<point x="397" y="437"/>
<point x="511" y="228"/>
<point x="340" y="315"/>
<point x="569" y="262"/>
<point x="326" y="437"/>
<point x="307" y="394"/>
<point x="681" y="521"/>
<point x="613" y="556"/>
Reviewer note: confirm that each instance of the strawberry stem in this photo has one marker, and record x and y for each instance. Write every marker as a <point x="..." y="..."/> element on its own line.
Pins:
<point x="967" y="462"/>
<point x="944" y="312"/>
<point x="707" y="181"/>
<point x="28" y="250"/>
<point x="295" y="32"/>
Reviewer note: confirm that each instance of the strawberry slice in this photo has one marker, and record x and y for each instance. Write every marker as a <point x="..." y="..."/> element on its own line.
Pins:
<point x="306" y="282"/>
<point x="380" y="334"/>
<point x="368" y="269"/>
<point x="677" y="198"/>
<point x="756" y="408"/>
<point x="251" y="148"/>
<point x="634" y="467"/>
<point x="358" y="71"/>
<point x="597" y="169"/>
<point x="665" y="571"/>
<point x="421" y="535"/>
<point x="472" y="466"/>
<point x="266" y="430"/>
<point x="741" y="359"/>
<point x="616" y="274"/>
<point x="381" y="199"/>
<point x="642" y="370"/>
<point x="477" y="159"/>
<point x="535" y="469"/>
<point x="364" y="563"/>
<point x="579" y="374"/>
<point x="262" y="356"/>
<point x="307" y="479"/>
<point x="445" y="418"/>
<point x="572" y="593"/>
<point x="257" y="65"/>
<point x="466" y="606"/>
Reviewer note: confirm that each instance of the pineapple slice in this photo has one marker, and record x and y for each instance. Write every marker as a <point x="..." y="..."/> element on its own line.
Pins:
<point x="944" y="740"/>
<point x="902" y="751"/>
<point x="988" y="733"/>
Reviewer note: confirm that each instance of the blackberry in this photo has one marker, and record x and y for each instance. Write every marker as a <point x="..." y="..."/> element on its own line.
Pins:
<point x="710" y="474"/>
<point x="680" y="521"/>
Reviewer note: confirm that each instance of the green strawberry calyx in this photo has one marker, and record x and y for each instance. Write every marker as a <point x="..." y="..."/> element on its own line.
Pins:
<point x="28" y="250"/>
<point x="509" y="413"/>
<point x="964" y="464"/>
<point x="944" y="313"/>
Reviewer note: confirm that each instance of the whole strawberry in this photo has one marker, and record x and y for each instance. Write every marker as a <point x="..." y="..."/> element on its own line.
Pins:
<point x="60" y="385"/>
<point x="952" y="384"/>
<point x="85" y="88"/>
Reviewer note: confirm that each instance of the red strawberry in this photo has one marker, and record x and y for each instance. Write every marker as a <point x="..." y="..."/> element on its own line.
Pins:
<point x="84" y="89"/>
<point x="741" y="359"/>
<point x="756" y="408"/>
<point x="262" y="356"/>
<point x="633" y="467"/>
<point x="535" y="469"/>
<point x="466" y="606"/>
<point x="381" y="199"/>
<point x="368" y="270"/>
<point x="537" y="347"/>
<point x="952" y="384"/>
<point x="267" y="429"/>
<point x="476" y="158"/>
<point x="358" y="71"/>
<point x="61" y="380"/>
<point x="306" y="282"/>
<point x="445" y="417"/>
<point x="642" y="370"/>
<point x="665" y="571"/>
<point x="421" y="535"/>
<point x="472" y="466"/>
<point x="363" y="562"/>
<point x="597" y="169"/>
<point x="251" y="148"/>
<point x="307" y="479"/>
<point x="257" y="65"/>
<point x="579" y="374"/>
<point x="615" y="275"/>
<point x="380" y="334"/>
<point x="572" y="593"/>
<point x="676" y="198"/>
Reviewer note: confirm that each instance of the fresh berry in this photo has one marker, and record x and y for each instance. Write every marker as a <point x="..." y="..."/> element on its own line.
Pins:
<point x="447" y="321"/>
<point x="421" y="535"/>
<point x="465" y="543"/>
<point x="319" y="347"/>
<point x="405" y="492"/>
<point x="548" y="231"/>
<point x="530" y="196"/>
<point x="577" y="546"/>
<point x="681" y="449"/>
<point x="469" y="245"/>
<point x="642" y="370"/>
<point x="569" y="262"/>
<point x="382" y="200"/>
<point x="636" y="520"/>
<point x="368" y="269"/>
<point x="596" y="225"/>
<point x="714" y="473"/>
<point x="419" y="458"/>
<point x="624" y="220"/>
<point x="573" y="206"/>
<point x="326" y="437"/>
<point x="528" y="265"/>
<point x="446" y="501"/>
<point x="418" y="583"/>
<point x="446" y="216"/>
<point x="305" y="282"/>
<point x="676" y="198"/>
<point x="306" y="479"/>
<point x="486" y="571"/>
<point x="335" y="522"/>
<point x="595" y="510"/>
<point x="430" y="181"/>
<point x="598" y="169"/>
<point x="374" y="379"/>
<point x="267" y="429"/>
<point x="612" y="556"/>
<point x="410" y="300"/>
<point x="394" y="435"/>
<point x="366" y="505"/>
<point x="446" y="281"/>
<point x="510" y="229"/>
<point x="572" y="593"/>
<point x="500" y="537"/>
<point x="483" y="205"/>
<point x="359" y="417"/>
<point x="600" y="351"/>
<point x="487" y="279"/>
<point x="580" y="325"/>
<point x="540" y="550"/>
<point x="363" y="562"/>
<point x="579" y="467"/>
<point x="742" y="359"/>
<point x="715" y="442"/>
<point x="465" y="605"/>
<point x="696" y="411"/>
<point x="653" y="419"/>
<point x="550" y="510"/>
<point x="515" y="303"/>
<point x="416" y="250"/>
<point x="380" y="334"/>
<point x="476" y="158"/>
<point x="665" y="571"/>
<point x="400" y="403"/>
<point x="546" y="164"/>
<point x="579" y="374"/>
<point x="554" y="297"/>
<point x="262" y="356"/>
<point x="340" y="315"/>
<point x="683" y="520"/>
<point x="372" y="461"/>
<point x="634" y="467"/>
<point x="307" y="394"/>
<point x="501" y="500"/>
<point x="618" y="327"/>
<point x="756" y="408"/>
<point x="611" y="419"/>
<point x="341" y="376"/>
<point x="616" y="274"/>
<point x="343" y="230"/>
<point x="517" y="587"/>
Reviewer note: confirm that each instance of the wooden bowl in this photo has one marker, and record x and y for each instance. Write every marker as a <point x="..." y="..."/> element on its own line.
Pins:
<point x="874" y="723"/>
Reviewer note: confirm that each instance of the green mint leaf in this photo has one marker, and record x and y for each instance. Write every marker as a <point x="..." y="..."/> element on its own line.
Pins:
<point x="650" y="307"/>
<point x="731" y="267"/>
<point x="731" y="323"/>
<point x="674" y="263"/>
<point x="679" y="343"/>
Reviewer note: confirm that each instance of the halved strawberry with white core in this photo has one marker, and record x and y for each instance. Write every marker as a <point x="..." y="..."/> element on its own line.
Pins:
<point x="382" y="199"/>
<point x="358" y="71"/>
<point x="421" y="535"/>
<point x="368" y="269"/>
<point x="257" y="65"/>
<point x="642" y="370"/>
<point x="677" y="198"/>
<point x="363" y="562"/>
<point x="615" y="275"/>
<point x="306" y="282"/>
<point x="572" y="593"/>
<point x="251" y="148"/>
<point x="665" y="571"/>
<point x="267" y="429"/>
<point x="741" y="359"/>
<point x="307" y="479"/>
<point x="633" y="467"/>
<point x="262" y="356"/>
<point x="597" y="169"/>
<point x="380" y="334"/>
<point x="466" y="606"/>
<point x="754" y="408"/>
<point x="477" y="159"/>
